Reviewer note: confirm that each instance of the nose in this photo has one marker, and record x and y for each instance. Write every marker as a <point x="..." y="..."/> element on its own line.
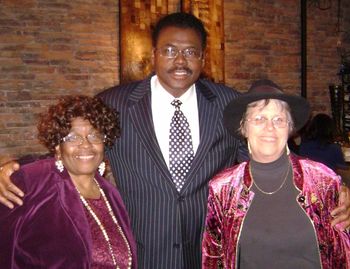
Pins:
<point x="269" y="124"/>
<point x="180" y="58"/>
<point x="85" y="142"/>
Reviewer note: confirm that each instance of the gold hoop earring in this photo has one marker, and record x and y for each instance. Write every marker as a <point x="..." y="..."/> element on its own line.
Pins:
<point x="287" y="149"/>
<point x="249" y="149"/>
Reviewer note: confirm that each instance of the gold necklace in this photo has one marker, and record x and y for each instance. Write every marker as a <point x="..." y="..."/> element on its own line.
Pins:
<point x="102" y="228"/>
<point x="272" y="192"/>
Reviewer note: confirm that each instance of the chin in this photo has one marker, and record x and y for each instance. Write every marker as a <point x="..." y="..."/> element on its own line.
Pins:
<point x="266" y="156"/>
<point x="87" y="171"/>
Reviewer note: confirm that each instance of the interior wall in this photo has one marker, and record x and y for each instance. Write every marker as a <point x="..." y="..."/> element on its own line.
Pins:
<point x="48" y="49"/>
<point x="263" y="40"/>
<point x="57" y="47"/>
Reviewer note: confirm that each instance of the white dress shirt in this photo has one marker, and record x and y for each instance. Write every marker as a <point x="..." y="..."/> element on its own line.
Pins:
<point x="163" y="111"/>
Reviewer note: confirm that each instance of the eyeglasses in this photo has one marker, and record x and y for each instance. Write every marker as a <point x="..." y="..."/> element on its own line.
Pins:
<point x="77" y="140"/>
<point x="172" y="52"/>
<point x="261" y="121"/>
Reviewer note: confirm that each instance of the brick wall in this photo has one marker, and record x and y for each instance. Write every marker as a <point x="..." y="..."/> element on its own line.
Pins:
<point x="263" y="40"/>
<point x="50" y="48"/>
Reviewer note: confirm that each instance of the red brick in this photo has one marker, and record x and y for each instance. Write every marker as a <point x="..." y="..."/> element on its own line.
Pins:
<point x="51" y="48"/>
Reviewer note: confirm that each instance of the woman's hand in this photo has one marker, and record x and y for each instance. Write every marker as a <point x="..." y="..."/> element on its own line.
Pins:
<point x="9" y="193"/>
<point x="341" y="214"/>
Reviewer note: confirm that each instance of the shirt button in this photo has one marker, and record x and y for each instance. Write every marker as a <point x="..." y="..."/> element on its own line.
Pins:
<point x="181" y="199"/>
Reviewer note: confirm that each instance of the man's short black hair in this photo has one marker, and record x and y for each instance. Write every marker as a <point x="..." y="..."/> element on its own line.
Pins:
<point x="180" y="20"/>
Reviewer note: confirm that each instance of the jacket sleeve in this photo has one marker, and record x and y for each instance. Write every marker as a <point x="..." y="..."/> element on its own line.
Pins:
<point x="212" y="252"/>
<point x="11" y="221"/>
<point x="341" y="239"/>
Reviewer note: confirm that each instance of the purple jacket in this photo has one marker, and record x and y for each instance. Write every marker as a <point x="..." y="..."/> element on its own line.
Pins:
<point x="229" y="200"/>
<point x="51" y="230"/>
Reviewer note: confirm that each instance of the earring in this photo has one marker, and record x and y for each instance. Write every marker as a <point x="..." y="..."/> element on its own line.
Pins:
<point x="249" y="149"/>
<point x="102" y="168"/>
<point x="59" y="165"/>
<point x="287" y="150"/>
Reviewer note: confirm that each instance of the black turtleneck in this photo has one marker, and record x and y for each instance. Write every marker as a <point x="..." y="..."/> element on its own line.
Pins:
<point x="276" y="232"/>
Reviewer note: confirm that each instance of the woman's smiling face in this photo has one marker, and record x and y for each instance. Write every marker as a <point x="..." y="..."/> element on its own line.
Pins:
<point x="267" y="140"/>
<point x="83" y="159"/>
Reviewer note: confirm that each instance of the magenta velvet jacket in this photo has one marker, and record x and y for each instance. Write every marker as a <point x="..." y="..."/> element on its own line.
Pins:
<point x="51" y="230"/>
<point x="230" y="198"/>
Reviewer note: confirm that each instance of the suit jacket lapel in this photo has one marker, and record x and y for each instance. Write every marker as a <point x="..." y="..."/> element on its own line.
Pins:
<point x="208" y="120"/>
<point x="140" y="112"/>
<point x="141" y="116"/>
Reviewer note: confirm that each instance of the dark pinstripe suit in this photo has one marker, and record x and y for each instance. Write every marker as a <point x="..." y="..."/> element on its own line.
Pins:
<point x="167" y="224"/>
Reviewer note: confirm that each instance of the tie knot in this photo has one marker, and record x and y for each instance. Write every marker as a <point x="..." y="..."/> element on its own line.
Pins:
<point x="176" y="103"/>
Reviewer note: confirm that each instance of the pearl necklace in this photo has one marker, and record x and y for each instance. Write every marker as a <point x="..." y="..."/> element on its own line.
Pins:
<point x="272" y="192"/>
<point x="102" y="228"/>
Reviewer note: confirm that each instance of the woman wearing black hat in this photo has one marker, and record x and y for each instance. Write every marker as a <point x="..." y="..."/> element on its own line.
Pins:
<point x="273" y="211"/>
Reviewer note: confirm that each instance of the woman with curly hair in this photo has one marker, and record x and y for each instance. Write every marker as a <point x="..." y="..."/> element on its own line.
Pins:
<point x="71" y="217"/>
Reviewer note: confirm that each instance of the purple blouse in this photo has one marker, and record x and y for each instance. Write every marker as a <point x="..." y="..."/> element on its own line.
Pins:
<point x="101" y="257"/>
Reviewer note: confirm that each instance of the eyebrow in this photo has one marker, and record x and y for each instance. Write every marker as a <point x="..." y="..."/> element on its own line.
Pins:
<point x="172" y="45"/>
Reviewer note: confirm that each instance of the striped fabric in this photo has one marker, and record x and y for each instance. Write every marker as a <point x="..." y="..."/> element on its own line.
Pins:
<point x="168" y="224"/>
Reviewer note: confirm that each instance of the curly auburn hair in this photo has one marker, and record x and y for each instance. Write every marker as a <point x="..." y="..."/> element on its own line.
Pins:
<point x="55" y="124"/>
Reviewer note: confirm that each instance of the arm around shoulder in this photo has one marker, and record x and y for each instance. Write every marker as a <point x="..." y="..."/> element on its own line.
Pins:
<point x="10" y="194"/>
<point x="11" y="223"/>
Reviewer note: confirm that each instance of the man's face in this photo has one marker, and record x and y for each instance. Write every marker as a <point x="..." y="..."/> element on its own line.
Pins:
<point x="177" y="74"/>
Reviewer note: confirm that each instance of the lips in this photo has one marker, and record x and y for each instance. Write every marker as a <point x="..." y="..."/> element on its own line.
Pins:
<point x="180" y="71"/>
<point x="85" y="157"/>
<point x="268" y="139"/>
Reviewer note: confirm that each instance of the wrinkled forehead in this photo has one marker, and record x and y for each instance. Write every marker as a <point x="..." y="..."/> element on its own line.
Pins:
<point x="81" y="124"/>
<point x="276" y="105"/>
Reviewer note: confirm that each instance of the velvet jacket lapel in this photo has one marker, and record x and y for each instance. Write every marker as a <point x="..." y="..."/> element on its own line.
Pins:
<point x="74" y="209"/>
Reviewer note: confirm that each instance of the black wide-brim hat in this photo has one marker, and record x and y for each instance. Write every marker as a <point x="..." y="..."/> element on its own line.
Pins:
<point x="261" y="90"/>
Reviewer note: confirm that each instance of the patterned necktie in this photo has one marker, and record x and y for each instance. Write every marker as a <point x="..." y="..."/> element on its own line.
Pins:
<point x="180" y="146"/>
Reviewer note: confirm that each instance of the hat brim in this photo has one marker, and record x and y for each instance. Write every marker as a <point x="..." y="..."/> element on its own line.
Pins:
<point x="233" y="113"/>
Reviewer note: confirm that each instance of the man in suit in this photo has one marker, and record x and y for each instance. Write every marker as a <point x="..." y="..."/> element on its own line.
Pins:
<point x="168" y="223"/>
<point x="168" y="220"/>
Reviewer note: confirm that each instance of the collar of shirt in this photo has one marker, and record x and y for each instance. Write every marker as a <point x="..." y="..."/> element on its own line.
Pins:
<point x="162" y="112"/>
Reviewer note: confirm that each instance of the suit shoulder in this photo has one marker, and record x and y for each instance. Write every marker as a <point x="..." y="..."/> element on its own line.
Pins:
<point x="220" y="89"/>
<point x="118" y="90"/>
<point x="219" y="93"/>
<point x="115" y="95"/>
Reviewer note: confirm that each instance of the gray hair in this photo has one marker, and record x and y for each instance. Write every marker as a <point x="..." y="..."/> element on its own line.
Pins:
<point x="282" y="104"/>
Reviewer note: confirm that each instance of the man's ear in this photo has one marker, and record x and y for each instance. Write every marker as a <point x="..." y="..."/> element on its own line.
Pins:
<point x="153" y="55"/>
<point x="203" y="58"/>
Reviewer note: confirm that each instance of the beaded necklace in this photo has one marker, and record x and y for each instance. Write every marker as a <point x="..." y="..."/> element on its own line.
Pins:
<point x="102" y="228"/>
